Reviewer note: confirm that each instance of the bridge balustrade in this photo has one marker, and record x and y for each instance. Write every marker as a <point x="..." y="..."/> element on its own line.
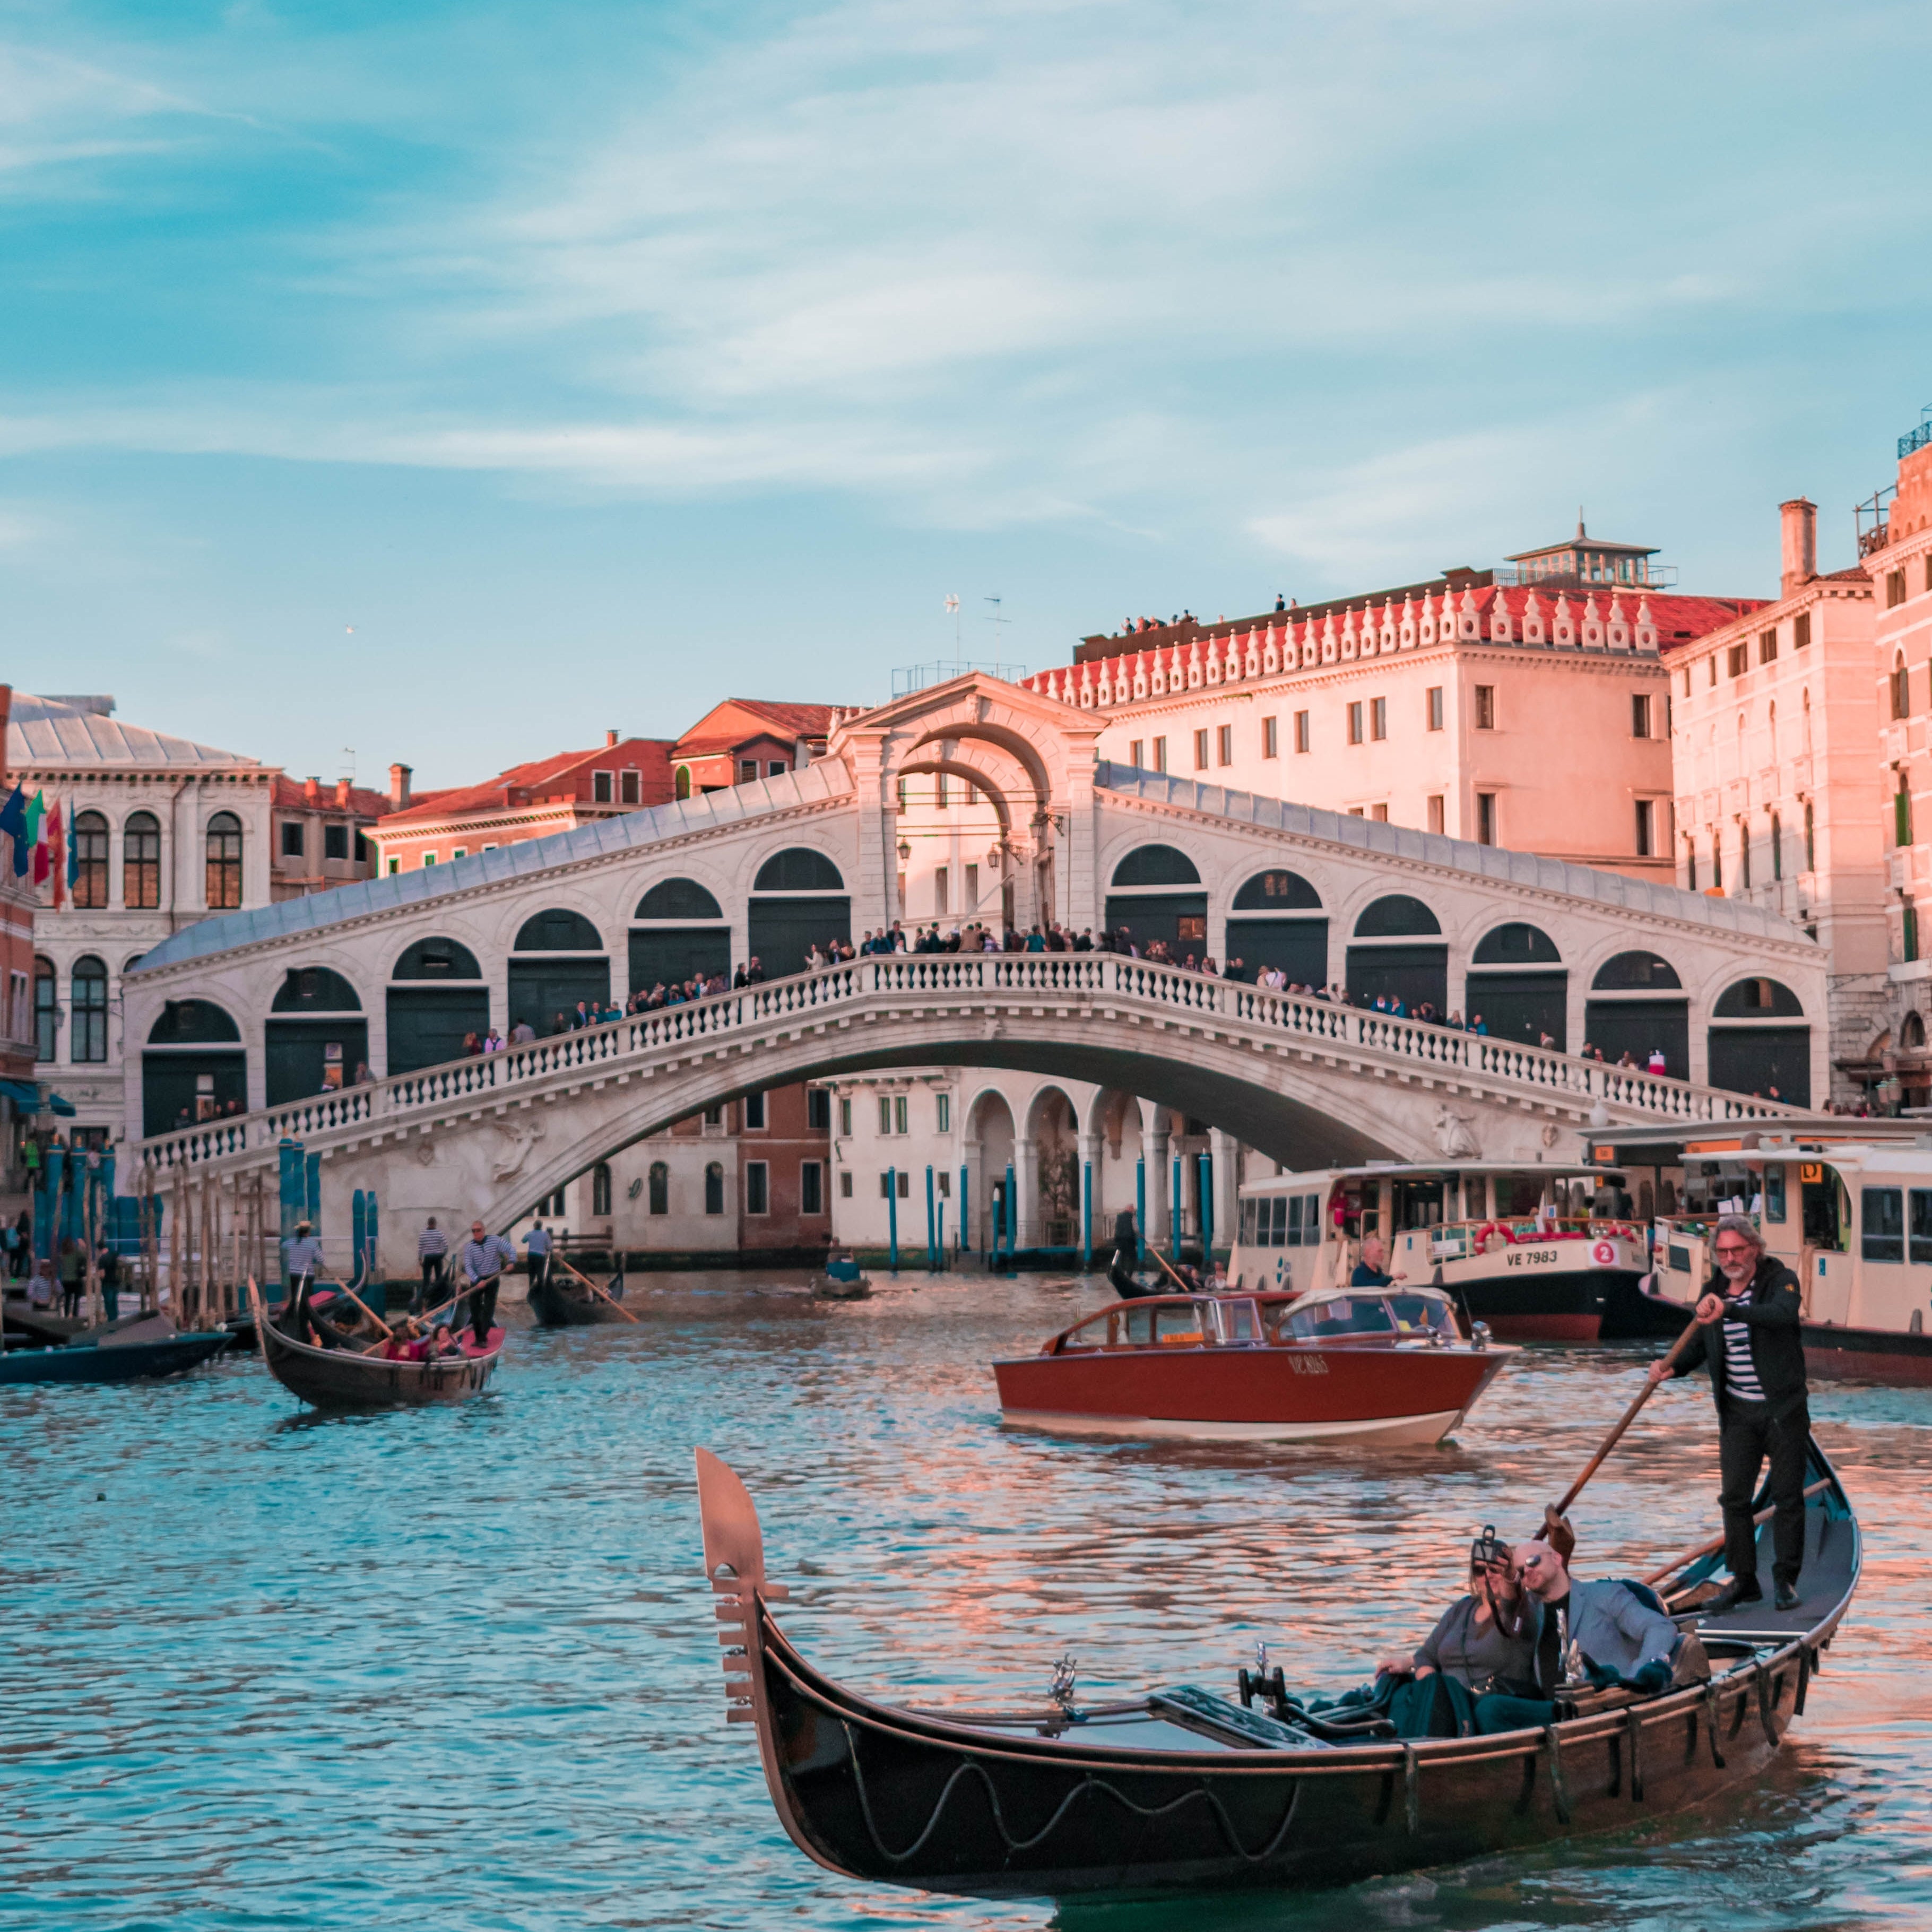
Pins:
<point x="1166" y="989"/>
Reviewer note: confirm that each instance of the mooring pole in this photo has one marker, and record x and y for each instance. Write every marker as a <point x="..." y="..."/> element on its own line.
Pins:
<point x="1140" y="1208"/>
<point x="931" y="1239"/>
<point x="1086" y="1216"/>
<point x="893" y="1217"/>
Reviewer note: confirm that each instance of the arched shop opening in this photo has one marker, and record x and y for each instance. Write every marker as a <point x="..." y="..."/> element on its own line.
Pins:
<point x="1637" y="1004"/>
<point x="1517" y="981"/>
<point x="1755" y="1046"/>
<point x="315" y="1036"/>
<point x="1278" y="920"/>
<point x="558" y="961"/>
<point x="1397" y="953"/>
<point x="436" y="997"/>
<point x="798" y="901"/>
<point x="193" y="1068"/>
<point x="1157" y="894"/>
<point x="678" y="930"/>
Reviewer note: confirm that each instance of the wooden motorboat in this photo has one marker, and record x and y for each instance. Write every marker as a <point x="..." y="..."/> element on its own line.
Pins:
<point x="1365" y="1365"/>
<point x="839" y="1280"/>
<point x="136" y="1348"/>
<point x="343" y="1378"/>
<point x="1499" y="1236"/>
<point x="1182" y="1788"/>
<point x="561" y="1301"/>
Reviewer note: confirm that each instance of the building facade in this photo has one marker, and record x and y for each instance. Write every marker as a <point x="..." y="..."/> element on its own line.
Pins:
<point x="19" y="1109"/>
<point x="744" y="739"/>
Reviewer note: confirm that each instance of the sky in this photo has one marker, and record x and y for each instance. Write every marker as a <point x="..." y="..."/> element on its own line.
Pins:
<point x="451" y="383"/>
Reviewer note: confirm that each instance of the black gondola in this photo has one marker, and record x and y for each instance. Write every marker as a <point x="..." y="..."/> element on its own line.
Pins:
<point x="559" y="1301"/>
<point x="344" y="1379"/>
<point x="1184" y="1788"/>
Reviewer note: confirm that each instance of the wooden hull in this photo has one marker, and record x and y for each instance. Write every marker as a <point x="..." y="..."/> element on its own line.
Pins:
<point x="1308" y="1393"/>
<point x="1133" y="1798"/>
<point x="335" y="1379"/>
<point x="126" y="1362"/>
<point x="562" y="1304"/>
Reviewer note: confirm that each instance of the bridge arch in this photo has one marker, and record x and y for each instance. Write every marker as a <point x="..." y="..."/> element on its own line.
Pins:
<point x="799" y="899"/>
<point x="1397" y="951"/>
<point x="1277" y="919"/>
<point x="1518" y="981"/>
<point x="1156" y="889"/>
<point x="315" y="1037"/>
<point x="557" y="961"/>
<point x="435" y="998"/>
<point x="678" y="931"/>
<point x="193" y="1067"/>
<point x="1638" y="1005"/>
<point x="1759" y="1041"/>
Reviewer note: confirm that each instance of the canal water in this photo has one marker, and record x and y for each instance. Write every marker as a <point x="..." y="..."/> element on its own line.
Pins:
<point x="458" y="1669"/>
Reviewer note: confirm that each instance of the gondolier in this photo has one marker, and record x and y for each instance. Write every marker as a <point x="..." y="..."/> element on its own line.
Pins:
<point x="1753" y="1347"/>
<point x="432" y="1256"/>
<point x="537" y="1240"/>
<point x="302" y="1262"/>
<point x="484" y="1258"/>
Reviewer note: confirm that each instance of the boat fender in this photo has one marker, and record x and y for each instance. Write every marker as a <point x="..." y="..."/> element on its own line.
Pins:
<point x="1489" y="1227"/>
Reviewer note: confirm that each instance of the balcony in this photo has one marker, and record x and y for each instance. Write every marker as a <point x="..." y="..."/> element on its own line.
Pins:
<point x="1917" y="438"/>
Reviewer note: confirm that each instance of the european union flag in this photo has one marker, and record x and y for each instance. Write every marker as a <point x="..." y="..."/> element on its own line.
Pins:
<point x="13" y="823"/>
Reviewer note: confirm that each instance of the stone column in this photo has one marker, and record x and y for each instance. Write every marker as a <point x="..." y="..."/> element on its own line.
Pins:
<point x="1026" y="1190"/>
<point x="1159" y="1184"/>
<point x="1093" y="1152"/>
<point x="978" y="1195"/>
<point x="1227" y="1153"/>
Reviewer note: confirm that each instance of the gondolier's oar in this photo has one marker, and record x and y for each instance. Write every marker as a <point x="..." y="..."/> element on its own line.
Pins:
<point x="1178" y="1282"/>
<point x="388" y="1334"/>
<point x="1716" y="1543"/>
<point x="261" y="1317"/>
<point x="1556" y="1530"/>
<point x="596" y="1290"/>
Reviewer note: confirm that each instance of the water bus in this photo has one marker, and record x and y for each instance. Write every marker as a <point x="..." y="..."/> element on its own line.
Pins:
<point x="1846" y="1204"/>
<point x="1550" y="1253"/>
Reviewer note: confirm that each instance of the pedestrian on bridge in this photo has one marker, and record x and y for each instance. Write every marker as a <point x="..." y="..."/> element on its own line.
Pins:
<point x="484" y="1258"/>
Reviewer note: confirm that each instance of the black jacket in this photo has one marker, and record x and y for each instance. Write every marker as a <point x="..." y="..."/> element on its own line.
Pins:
<point x="1777" y="1343"/>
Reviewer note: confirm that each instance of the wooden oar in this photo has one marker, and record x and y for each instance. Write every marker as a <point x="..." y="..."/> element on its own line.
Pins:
<point x="388" y="1334"/>
<point x="596" y="1290"/>
<point x="1556" y="1530"/>
<point x="261" y="1317"/>
<point x="1716" y="1543"/>
<point x="430" y="1315"/>
<point x="1176" y="1278"/>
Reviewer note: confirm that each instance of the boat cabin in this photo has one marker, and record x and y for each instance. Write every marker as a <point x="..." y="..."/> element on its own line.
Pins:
<point x="1266" y="1320"/>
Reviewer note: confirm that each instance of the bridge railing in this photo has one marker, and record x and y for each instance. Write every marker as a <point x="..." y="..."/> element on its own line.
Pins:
<point x="460" y="1085"/>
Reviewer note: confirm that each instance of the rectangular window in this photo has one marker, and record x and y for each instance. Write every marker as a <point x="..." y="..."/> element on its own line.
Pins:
<point x="845" y="1186"/>
<point x="1436" y="812"/>
<point x="1737" y="660"/>
<point x="885" y="1185"/>
<point x="1640" y="715"/>
<point x="600" y="1188"/>
<point x="1378" y="719"/>
<point x="1271" y="737"/>
<point x="1486" y="707"/>
<point x="1200" y="750"/>
<point x="1908" y="932"/>
<point x="845" y="1118"/>
<point x="1486" y="818"/>
<point x="429" y="860"/>
<point x="1882" y="1224"/>
<point x="292" y="838"/>
<point x="1646" y="818"/>
<point x="335" y="841"/>
<point x="899" y="1115"/>
<point x="905" y="1184"/>
<point x="1711" y="662"/>
<point x="776" y="768"/>
<point x="1301" y="730"/>
<point x="1134" y="751"/>
<point x="1434" y="695"/>
<point x="1801" y="630"/>
<point x="1901" y="815"/>
<point x="1160" y="754"/>
<point x="817" y="1111"/>
<point x="757" y="1187"/>
<point x="1774" y="1191"/>
<point x="939" y="796"/>
<point x="395" y="866"/>
<point x="748" y="771"/>
<point x="939" y="883"/>
<point x="1767" y="647"/>
<point x="602" y="787"/>
<point x="631" y="787"/>
<point x="1686" y="680"/>
<point x="1224" y="744"/>
<point x="811" y="1188"/>
<point x="754" y="1110"/>
<point x="362" y="850"/>
<point x="945" y="1180"/>
<point x="714" y="1118"/>
<point x="1379" y="813"/>
<point x="1894" y="588"/>
<point x="1355" y="723"/>
<point x="885" y="1113"/>
<point x="1922" y="1224"/>
<point x="943" y="1112"/>
<point x="459" y="852"/>
<point x="972" y="888"/>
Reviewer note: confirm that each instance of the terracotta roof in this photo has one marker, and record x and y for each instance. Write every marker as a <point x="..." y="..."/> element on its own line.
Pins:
<point x="291" y="796"/>
<point x="718" y="731"/>
<point x="529" y="784"/>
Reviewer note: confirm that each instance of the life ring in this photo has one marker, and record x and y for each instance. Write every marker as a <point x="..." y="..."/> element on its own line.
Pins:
<point x="1489" y="1227"/>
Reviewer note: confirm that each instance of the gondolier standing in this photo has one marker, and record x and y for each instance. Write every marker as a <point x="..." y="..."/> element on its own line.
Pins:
<point x="302" y="1262"/>
<point x="484" y="1258"/>
<point x="1752" y="1346"/>
<point x="432" y="1254"/>
<point x="537" y="1240"/>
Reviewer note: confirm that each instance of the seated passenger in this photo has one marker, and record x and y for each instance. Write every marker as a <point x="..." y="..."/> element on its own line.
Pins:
<point x="1483" y="1650"/>
<point x="442" y="1343"/>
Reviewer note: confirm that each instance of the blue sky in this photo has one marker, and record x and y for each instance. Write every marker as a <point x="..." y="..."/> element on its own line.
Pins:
<point x="452" y="382"/>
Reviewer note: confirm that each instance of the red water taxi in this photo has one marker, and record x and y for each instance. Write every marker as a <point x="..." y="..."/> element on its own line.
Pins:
<point x="1361" y="1365"/>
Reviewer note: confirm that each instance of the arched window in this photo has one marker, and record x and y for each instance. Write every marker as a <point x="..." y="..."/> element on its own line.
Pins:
<point x="1758" y="1000"/>
<point x="1777" y="847"/>
<point x="89" y="1040"/>
<point x="1912" y="1032"/>
<point x="714" y="1189"/>
<point x="660" y="1188"/>
<point x="1744" y="855"/>
<point x="1157" y="865"/>
<point x="315" y="989"/>
<point x="798" y="869"/>
<point x="1642" y="972"/>
<point x="600" y="1188"/>
<point x="1901" y="687"/>
<point x="1774" y="731"/>
<point x="1810" y="839"/>
<point x="681" y="784"/>
<point x="1397" y="915"/>
<point x="141" y="863"/>
<point x="1717" y="859"/>
<point x="1516" y="945"/>
<point x="90" y="861"/>
<point x="46" y="1009"/>
<point x="1276" y="892"/>
<point x="1690" y="862"/>
<point x="224" y="863"/>
<point x="558" y="931"/>
<point x="678" y="899"/>
<point x="437" y="959"/>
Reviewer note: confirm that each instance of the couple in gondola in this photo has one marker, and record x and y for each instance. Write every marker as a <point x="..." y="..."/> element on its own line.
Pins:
<point x="1526" y="1630"/>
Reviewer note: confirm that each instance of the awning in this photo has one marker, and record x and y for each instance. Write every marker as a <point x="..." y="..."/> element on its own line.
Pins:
<point x="26" y="1097"/>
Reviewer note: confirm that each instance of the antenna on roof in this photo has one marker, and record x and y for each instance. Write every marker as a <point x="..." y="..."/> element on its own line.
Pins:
<point x="952" y="605"/>
<point x="996" y="618"/>
<point x="349" y="758"/>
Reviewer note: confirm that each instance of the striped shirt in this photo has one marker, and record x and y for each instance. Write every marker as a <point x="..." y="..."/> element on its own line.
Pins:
<point x="1740" y="1373"/>
<point x="431" y="1244"/>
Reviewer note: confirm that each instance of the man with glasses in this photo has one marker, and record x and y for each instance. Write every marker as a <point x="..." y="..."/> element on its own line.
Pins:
<point x="1751" y="1343"/>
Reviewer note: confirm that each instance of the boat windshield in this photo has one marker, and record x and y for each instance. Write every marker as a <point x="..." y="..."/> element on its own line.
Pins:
<point x="1418" y="1314"/>
<point x="1338" y="1314"/>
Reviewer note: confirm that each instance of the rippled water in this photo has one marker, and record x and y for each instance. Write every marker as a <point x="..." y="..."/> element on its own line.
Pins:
<point x="458" y="1669"/>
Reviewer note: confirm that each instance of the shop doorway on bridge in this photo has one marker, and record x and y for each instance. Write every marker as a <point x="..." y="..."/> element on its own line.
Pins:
<point x="1397" y="953"/>
<point x="315" y="1037"/>
<point x="1760" y="1052"/>
<point x="1157" y="895"/>
<point x="1278" y="921"/>
<point x="558" y="961"/>
<point x="437" y="998"/>
<point x="1517" y="983"/>
<point x="1637" y="1005"/>
<point x="679" y="931"/>
<point x="798" y="901"/>
<point x="194" y="1068"/>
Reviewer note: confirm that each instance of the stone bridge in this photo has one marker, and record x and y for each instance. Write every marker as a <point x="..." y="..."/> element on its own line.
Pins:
<point x="399" y="968"/>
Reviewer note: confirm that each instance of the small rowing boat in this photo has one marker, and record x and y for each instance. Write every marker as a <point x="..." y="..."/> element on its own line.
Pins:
<point x="1182" y="1788"/>
<point x="137" y="1348"/>
<point x="559" y="1301"/>
<point x="344" y="1379"/>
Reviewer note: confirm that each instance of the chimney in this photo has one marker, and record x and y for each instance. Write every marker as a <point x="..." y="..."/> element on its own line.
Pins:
<point x="610" y="738"/>
<point x="342" y="791"/>
<point x="399" y="787"/>
<point x="311" y="791"/>
<point x="1798" y="530"/>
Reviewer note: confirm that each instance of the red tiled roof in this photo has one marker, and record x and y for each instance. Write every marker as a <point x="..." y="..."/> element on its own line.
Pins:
<point x="719" y="730"/>
<point x="292" y="796"/>
<point x="529" y="784"/>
